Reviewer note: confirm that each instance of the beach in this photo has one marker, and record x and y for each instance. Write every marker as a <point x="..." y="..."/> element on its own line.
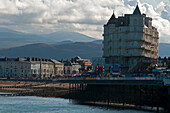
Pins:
<point x="26" y="88"/>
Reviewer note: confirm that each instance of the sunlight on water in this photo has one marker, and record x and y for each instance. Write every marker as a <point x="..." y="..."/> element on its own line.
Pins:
<point x="50" y="105"/>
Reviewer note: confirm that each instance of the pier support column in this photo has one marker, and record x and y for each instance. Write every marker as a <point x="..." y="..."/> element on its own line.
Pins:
<point x="157" y="110"/>
<point x="168" y="99"/>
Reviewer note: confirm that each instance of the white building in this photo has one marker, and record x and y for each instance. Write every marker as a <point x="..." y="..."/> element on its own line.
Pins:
<point x="58" y="67"/>
<point x="71" y="68"/>
<point x="130" y="41"/>
<point x="28" y="67"/>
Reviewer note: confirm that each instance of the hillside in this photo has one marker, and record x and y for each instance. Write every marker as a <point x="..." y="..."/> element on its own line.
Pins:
<point x="82" y="49"/>
<point x="10" y="38"/>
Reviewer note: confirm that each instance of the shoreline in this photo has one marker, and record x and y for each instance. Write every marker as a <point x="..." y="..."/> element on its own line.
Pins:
<point x="56" y="90"/>
<point x="41" y="89"/>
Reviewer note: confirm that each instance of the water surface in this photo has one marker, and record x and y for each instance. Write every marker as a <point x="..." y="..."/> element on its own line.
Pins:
<point x="31" y="104"/>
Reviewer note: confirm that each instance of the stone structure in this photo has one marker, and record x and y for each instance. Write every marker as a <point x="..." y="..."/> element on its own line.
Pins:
<point x="130" y="41"/>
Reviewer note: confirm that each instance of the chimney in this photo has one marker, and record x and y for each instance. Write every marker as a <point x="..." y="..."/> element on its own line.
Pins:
<point x="6" y="58"/>
<point x="32" y="58"/>
<point x="72" y="60"/>
<point x="62" y="60"/>
<point x="28" y="59"/>
<point x="46" y="60"/>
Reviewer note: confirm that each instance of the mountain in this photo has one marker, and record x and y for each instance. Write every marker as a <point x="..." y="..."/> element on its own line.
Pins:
<point x="11" y="38"/>
<point x="63" y="42"/>
<point x="65" y="35"/>
<point x="66" y="49"/>
<point x="97" y="41"/>
<point x="82" y="49"/>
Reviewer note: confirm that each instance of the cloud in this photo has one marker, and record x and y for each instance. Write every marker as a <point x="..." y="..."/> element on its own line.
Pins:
<point x="84" y="16"/>
<point x="159" y="21"/>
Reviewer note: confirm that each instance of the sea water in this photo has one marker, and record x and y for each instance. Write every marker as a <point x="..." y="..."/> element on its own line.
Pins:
<point x="32" y="104"/>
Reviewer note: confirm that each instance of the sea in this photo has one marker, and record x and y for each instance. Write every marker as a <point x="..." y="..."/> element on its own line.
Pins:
<point x="33" y="104"/>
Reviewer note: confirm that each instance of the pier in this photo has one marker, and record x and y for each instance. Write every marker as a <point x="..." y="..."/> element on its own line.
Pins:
<point x="138" y="91"/>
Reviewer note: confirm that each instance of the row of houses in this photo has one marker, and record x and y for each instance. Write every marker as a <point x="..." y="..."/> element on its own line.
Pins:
<point x="40" y="67"/>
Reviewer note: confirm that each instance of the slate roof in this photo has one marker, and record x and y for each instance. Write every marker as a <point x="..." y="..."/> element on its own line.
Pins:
<point x="137" y="11"/>
<point x="111" y="19"/>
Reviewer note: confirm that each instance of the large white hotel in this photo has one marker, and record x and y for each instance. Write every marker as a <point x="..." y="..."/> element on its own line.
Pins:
<point x="130" y="41"/>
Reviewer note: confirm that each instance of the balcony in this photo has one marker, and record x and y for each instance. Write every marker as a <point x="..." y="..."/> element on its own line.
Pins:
<point x="133" y="47"/>
<point x="133" y="39"/>
<point x="148" y="40"/>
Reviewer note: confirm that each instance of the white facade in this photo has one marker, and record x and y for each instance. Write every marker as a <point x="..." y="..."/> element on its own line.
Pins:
<point x="35" y="67"/>
<point x="71" y="68"/>
<point x="58" y="67"/>
<point x="130" y="40"/>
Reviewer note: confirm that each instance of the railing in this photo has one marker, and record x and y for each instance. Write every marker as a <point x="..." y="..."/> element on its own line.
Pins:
<point x="112" y="78"/>
<point x="133" y="39"/>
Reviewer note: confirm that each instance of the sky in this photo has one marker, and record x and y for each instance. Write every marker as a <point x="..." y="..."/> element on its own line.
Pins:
<point x="83" y="16"/>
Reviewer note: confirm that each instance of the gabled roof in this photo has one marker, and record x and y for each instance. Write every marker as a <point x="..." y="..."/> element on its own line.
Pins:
<point x="55" y="61"/>
<point x="137" y="11"/>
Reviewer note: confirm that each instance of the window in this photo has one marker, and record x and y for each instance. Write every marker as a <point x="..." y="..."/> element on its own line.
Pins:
<point x="35" y="71"/>
<point x="135" y="29"/>
<point x="135" y="22"/>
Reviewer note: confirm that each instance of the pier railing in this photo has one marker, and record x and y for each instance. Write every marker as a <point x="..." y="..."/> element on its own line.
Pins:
<point x="111" y="78"/>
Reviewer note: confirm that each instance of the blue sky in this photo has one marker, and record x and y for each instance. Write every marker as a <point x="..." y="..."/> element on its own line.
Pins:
<point x="83" y="16"/>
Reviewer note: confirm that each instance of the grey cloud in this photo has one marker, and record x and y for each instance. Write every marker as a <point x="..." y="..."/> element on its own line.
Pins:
<point x="85" y="16"/>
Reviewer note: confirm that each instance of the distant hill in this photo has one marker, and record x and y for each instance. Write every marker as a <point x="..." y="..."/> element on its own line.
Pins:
<point x="66" y="49"/>
<point x="71" y="36"/>
<point x="10" y="38"/>
<point x="63" y="42"/>
<point x="82" y="49"/>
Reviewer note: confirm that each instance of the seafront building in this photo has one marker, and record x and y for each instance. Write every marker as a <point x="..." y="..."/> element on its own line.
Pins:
<point x="85" y="63"/>
<point x="131" y="42"/>
<point x="58" y="67"/>
<point x="30" y="67"/>
<point x="97" y="61"/>
<point x="71" y="68"/>
<point x="77" y="66"/>
<point x="164" y="62"/>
